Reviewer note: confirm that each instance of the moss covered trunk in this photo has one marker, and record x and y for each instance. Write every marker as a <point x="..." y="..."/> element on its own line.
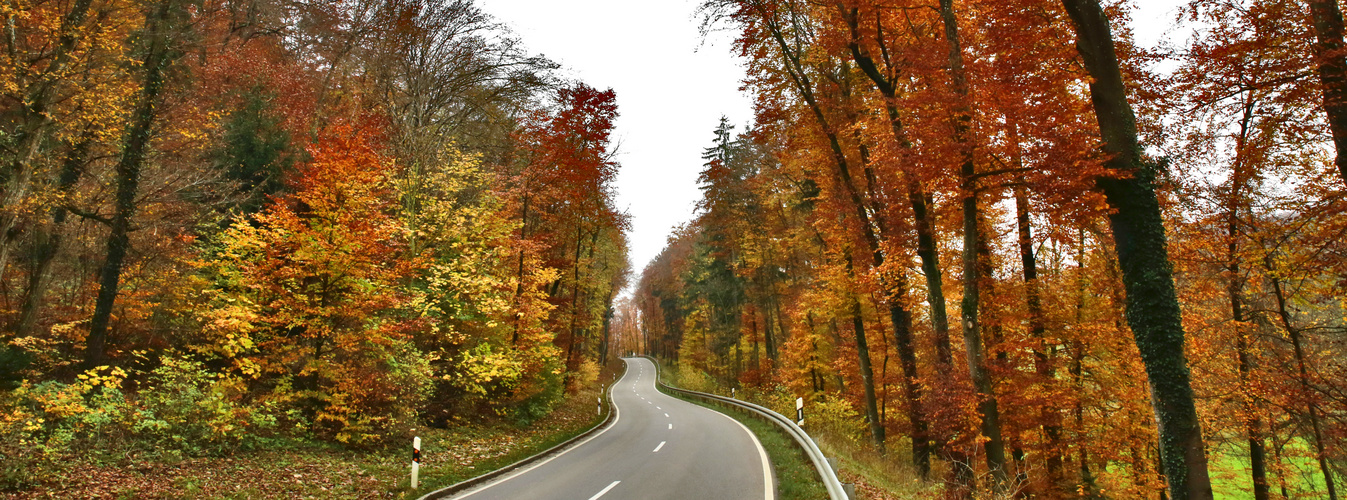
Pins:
<point x="1139" y="240"/>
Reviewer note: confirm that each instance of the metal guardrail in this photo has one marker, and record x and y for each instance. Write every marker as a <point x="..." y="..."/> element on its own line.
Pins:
<point x="825" y="471"/>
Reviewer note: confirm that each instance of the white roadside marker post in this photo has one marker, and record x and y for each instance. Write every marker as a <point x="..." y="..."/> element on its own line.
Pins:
<point x="799" y="411"/>
<point x="416" y="459"/>
<point x="598" y="406"/>
<point x="732" y="393"/>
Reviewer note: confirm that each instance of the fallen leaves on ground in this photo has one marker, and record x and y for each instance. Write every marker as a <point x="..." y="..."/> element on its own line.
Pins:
<point x="449" y="455"/>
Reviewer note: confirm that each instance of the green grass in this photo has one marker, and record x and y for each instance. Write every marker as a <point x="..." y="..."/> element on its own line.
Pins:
<point x="298" y="468"/>
<point x="453" y="475"/>
<point x="1231" y="479"/>
<point x="894" y="477"/>
<point x="1230" y="471"/>
<point x="796" y="477"/>
<point x="876" y="476"/>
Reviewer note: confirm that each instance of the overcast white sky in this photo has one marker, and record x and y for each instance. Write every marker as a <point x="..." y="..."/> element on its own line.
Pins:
<point x="672" y="87"/>
<point x="671" y="91"/>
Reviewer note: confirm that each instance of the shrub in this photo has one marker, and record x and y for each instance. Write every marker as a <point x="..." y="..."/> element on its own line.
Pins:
<point x="181" y="408"/>
<point x="373" y="394"/>
<point x="41" y="424"/>
<point x="185" y="408"/>
<point x="544" y="398"/>
<point x="687" y="377"/>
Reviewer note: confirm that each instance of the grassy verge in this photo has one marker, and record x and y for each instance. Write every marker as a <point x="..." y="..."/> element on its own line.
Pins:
<point x="876" y="477"/>
<point x="317" y="470"/>
<point x="796" y="477"/>
<point x="461" y="456"/>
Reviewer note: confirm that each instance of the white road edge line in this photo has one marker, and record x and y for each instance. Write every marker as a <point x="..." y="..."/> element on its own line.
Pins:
<point x="769" y="492"/>
<point x="602" y="491"/>
<point x="661" y="445"/>
<point x="617" y="415"/>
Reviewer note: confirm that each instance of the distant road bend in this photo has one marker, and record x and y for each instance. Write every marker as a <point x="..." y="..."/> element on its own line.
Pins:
<point x="659" y="448"/>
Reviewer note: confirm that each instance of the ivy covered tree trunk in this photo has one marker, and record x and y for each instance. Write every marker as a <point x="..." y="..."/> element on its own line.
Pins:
<point x="1139" y="240"/>
<point x="156" y="60"/>
<point x="1332" y="73"/>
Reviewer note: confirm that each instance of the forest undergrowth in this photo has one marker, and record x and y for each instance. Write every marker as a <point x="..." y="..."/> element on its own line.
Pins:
<point x="311" y="469"/>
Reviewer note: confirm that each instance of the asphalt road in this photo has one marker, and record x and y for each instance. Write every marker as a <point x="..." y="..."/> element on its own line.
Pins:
<point x="659" y="448"/>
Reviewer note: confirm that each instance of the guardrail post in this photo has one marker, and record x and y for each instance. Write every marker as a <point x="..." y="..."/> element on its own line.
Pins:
<point x="416" y="459"/>
<point x="826" y="467"/>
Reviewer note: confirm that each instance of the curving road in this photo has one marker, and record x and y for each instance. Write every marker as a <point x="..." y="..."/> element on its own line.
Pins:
<point x="659" y="448"/>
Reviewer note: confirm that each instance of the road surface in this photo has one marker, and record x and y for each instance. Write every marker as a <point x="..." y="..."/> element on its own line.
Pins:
<point x="659" y="448"/>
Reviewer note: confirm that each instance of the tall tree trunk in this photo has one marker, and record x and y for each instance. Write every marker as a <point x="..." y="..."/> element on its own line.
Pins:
<point x="800" y="78"/>
<point x="571" y="364"/>
<point x="1277" y="460"/>
<point x="901" y="318"/>
<point x="1077" y="371"/>
<point x="1332" y="73"/>
<point x="1303" y="376"/>
<point x="993" y="444"/>
<point x="34" y="120"/>
<point x="834" y="331"/>
<point x="607" y="328"/>
<point x="1253" y="427"/>
<point x="912" y="390"/>
<point x="1234" y="203"/>
<point x="754" y="359"/>
<point x="768" y="338"/>
<point x="780" y="323"/>
<point x="918" y="198"/>
<point x="867" y="375"/>
<point x="158" y="26"/>
<point x="1043" y="349"/>
<point x="47" y="241"/>
<point x="519" y="275"/>
<point x="738" y="362"/>
<point x="1139" y="240"/>
<point x="1087" y="485"/>
<point x="837" y="340"/>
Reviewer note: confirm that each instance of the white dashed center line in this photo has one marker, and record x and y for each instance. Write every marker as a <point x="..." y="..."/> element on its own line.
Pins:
<point x="666" y="415"/>
<point x="605" y="490"/>
<point x="670" y="426"/>
<point x="661" y="445"/>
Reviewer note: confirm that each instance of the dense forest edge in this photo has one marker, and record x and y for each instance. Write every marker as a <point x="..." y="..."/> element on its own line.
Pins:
<point x="233" y="232"/>
<point x="1000" y="248"/>
<point x="1002" y="251"/>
